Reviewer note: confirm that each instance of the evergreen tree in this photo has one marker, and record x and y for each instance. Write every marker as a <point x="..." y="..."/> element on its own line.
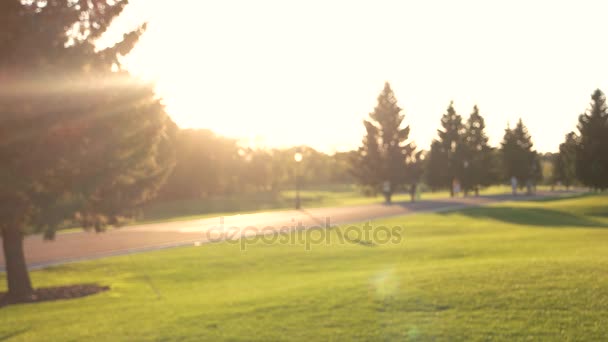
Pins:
<point x="519" y="160"/>
<point x="479" y="168"/>
<point x="415" y="166"/>
<point x="367" y="161"/>
<point x="382" y="157"/>
<point x="592" y="155"/>
<point x="437" y="175"/>
<point x="564" y="163"/>
<point x="449" y="152"/>
<point x="78" y="142"/>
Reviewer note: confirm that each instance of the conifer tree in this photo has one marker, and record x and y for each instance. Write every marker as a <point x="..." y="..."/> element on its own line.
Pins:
<point x="479" y="164"/>
<point x="564" y="163"/>
<point x="382" y="157"/>
<point x="448" y="151"/>
<point x="592" y="155"/>
<point x="436" y="173"/>
<point x="519" y="159"/>
<point x="366" y="162"/>
<point x="78" y="142"/>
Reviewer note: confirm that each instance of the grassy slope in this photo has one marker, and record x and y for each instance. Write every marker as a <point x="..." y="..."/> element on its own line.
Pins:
<point x="526" y="270"/>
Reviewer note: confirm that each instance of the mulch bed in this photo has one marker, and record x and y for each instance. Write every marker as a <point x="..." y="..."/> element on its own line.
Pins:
<point x="57" y="293"/>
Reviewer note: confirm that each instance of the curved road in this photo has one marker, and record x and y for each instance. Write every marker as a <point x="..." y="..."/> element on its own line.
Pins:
<point x="76" y="246"/>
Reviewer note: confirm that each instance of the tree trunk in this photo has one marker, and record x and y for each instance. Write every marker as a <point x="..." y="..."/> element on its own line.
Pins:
<point x="413" y="192"/>
<point x="17" y="276"/>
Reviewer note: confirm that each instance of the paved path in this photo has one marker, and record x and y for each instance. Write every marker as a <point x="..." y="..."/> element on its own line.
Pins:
<point x="76" y="246"/>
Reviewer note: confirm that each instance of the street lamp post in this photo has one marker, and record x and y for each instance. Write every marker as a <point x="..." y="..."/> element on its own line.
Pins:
<point x="298" y="158"/>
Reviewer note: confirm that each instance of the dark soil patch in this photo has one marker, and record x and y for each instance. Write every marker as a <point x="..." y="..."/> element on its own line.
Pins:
<point x="56" y="293"/>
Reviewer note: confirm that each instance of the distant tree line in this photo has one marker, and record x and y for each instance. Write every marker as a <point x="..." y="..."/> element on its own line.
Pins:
<point x="460" y="154"/>
<point x="387" y="161"/>
<point x="211" y="165"/>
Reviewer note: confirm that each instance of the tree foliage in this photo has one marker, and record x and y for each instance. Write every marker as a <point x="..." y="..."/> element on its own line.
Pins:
<point x="564" y="162"/>
<point x="382" y="157"/>
<point x="479" y="162"/>
<point x="448" y="151"/>
<point x="209" y="165"/>
<point x="77" y="141"/>
<point x="437" y="175"/>
<point x="519" y="159"/>
<point x="591" y="154"/>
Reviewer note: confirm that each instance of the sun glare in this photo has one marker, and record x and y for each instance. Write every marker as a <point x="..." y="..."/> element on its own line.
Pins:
<point x="280" y="74"/>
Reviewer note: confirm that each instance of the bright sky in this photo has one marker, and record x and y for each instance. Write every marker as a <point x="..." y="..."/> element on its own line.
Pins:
<point x="282" y="73"/>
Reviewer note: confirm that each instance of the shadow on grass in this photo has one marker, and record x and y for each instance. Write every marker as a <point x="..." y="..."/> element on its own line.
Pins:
<point x="598" y="212"/>
<point x="10" y="335"/>
<point x="532" y="217"/>
<point x="560" y="197"/>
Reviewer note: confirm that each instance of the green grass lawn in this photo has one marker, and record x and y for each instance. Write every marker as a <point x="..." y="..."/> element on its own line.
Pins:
<point x="514" y="271"/>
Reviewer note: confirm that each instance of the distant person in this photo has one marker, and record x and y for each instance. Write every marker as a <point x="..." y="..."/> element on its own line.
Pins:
<point x="514" y="185"/>
<point x="530" y="187"/>
<point x="455" y="187"/>
<point x="386" y="189"/>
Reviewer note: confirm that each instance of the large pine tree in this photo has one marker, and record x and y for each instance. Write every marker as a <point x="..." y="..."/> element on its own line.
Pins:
<point x="592" y="155"/>
<point x="78" y="142"/>
<point x="383" y="154"/>
<point x="447" y="156"/>
<point x="479" y="162"/>
<point x="519" y="159"/>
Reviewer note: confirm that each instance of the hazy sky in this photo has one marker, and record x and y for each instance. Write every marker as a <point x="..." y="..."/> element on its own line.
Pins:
<point x="308" y="72"/>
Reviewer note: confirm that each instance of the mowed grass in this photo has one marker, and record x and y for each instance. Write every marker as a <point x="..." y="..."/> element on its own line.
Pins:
<point x="515" y="271"/>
